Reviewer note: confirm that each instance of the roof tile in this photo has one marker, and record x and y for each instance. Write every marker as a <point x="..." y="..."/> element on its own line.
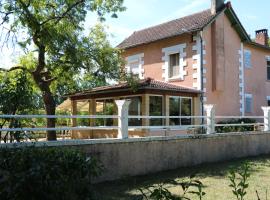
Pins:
<point x="169" y="29"/>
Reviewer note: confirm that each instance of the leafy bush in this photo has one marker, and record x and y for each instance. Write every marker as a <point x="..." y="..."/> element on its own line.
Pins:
<point x="46" y="173"/>
<point x="238" y="181"/>
<point x="190" y="186"/>
<point x="227" y="129"/>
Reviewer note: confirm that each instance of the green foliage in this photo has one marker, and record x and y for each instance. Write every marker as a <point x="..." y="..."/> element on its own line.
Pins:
<point x="16" y="95"/>
<point x="227" y="129"/>
<point x="238" y="181"/>
<point x="160" y="192"/>
<point x="54" y="30"/>
<point x="46" y="173"/>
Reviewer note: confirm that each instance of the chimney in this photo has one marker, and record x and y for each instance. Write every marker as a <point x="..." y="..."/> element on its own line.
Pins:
<point x="216" y="6"/>
<point x="262" y="37"/>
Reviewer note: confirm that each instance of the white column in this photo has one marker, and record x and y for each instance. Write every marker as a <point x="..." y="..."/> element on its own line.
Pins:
<point x="122" y="106"/>
<point x="266" y="111"/>
<point x="210" y="113"/>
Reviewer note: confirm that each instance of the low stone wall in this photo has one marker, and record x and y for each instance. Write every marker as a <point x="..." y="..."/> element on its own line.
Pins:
<point x="139" y="156"/>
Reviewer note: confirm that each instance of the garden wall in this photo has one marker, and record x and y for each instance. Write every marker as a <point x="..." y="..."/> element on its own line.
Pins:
<point x="139" y="156"/>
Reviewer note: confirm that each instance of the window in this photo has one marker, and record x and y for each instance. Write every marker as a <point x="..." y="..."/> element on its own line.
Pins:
<point x="248" y="103"/>
<point x="268" y="101"/>
<point x="174" y="65"/>
<point x="105" y="107"/>
<point x="247" y="58"/>
<point x="180" y="106"/>
<point x="268" y="70"/>
<point x="135" y="110"/>
<point x="155" y="109"/>
<point x="134" y="67"/>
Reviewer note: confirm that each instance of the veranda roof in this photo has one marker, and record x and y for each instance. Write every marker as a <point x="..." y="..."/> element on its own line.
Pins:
<point x="145" y="86"/>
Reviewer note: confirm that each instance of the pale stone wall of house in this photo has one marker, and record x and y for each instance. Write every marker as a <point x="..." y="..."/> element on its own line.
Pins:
<point x="226" y="97"/>
<point x="224" y="81"/>
<point x="256" y="82"/>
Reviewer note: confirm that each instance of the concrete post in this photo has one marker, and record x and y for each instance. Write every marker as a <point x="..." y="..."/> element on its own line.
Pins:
<point x="266" y="111"/>
<point x="210" y="122"/>
<point x="122" y="106"/>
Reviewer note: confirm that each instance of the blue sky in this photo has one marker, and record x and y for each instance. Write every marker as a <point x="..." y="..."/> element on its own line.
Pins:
<point x="254" y="15"/>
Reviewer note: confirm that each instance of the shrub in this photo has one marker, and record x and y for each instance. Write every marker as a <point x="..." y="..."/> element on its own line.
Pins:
<point x="227" y="129"/>
<point x="46" y="173"/>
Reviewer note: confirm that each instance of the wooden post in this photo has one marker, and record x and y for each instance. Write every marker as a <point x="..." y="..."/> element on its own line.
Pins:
<point x="145" y="109"/>
<point x="74" y="112"/>
<point x="92" y="111"/>
<point x="167" y="109"/>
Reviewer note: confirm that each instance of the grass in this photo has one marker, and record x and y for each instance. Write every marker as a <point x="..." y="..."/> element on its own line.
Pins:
<point x="214" y="178"/>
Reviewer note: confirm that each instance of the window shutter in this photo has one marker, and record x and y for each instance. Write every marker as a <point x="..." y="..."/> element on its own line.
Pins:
<point x="248" y="103"/>
<point x="247" y="59"/>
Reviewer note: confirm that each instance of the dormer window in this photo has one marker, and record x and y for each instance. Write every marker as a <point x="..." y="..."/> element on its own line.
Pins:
<point x="174" y="69"/>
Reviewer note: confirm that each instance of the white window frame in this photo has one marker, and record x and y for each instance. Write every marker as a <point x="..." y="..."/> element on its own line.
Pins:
<point x="251" y="97"/>
<point x="173" y="50"/>
<point x="136" y="58"/>
<point x="245" y="64"/>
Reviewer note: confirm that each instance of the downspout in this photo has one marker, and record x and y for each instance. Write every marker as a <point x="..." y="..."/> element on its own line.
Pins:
<point x="201" y="75"/>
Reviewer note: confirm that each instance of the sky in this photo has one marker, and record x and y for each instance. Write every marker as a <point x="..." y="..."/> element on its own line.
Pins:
<point x="254" y="15"/>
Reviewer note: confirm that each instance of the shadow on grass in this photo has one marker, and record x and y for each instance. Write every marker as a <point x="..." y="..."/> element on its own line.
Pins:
<point x="127" y="188"/>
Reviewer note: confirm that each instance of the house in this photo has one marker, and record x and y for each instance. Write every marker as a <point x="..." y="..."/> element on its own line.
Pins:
<point x="183" y="64"/>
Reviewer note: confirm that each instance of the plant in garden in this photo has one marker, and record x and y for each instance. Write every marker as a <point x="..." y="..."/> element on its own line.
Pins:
<point x="191" y="186"/>
<point x="46" y="173"/>
<point x="238" y="181"/>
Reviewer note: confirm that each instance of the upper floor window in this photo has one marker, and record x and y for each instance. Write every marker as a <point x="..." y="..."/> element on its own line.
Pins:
<point x="174" y="58"/>
<point x="247" y="59"/>
<point x="134" y="67"/>
<point x="248" y="103"/>
<point x="268" y="70"/>
<point x="135" y="64"/>
<point x="268" y="100"/>
<point x="174" y="68"/>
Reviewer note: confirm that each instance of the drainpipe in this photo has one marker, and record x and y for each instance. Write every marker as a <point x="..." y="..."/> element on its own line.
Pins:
<point x="201" y="66"/>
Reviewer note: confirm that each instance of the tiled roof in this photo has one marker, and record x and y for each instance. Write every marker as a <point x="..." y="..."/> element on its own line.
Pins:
<point x="169" y="29"/>
<point x="147" y="83"/>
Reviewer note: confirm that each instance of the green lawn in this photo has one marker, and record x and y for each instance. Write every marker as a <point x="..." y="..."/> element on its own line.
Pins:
<point x="214" y="178"/>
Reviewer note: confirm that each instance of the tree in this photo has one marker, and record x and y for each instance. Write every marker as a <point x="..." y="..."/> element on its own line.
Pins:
<point x="17" y="96"/>
<point x="55" y="29"/>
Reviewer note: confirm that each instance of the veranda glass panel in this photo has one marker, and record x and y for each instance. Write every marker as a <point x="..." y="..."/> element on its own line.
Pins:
<point x="135" y="110"/>
<point x="186" y="104"/>
<point x="155" y="109"/>
<point x="174" y="106"/>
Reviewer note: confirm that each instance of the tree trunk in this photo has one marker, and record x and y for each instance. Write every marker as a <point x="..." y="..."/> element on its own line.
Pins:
<point x="44" y="83"/>
<point x="50" y="110"/>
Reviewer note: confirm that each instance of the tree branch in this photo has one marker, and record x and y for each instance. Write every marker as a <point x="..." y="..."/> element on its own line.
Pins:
<point x="15" y="68"/>
<point x="64" y="14"/>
